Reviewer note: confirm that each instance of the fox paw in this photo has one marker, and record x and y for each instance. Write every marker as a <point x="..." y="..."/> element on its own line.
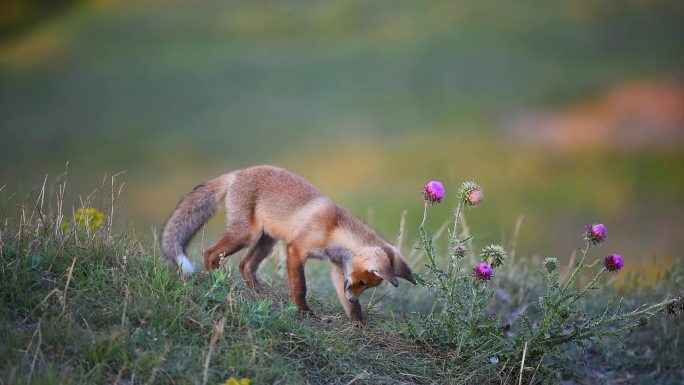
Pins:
<point x="359" y="323"/>
<point x="308" y="313"/>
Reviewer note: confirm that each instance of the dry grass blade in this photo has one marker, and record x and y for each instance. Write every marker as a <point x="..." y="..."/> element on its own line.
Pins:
<point x="441" y="230"/>
<point x="568" y="269"/>
<point x="36" y="350"/>
<point x="119" y="374"/>
<point x="110" y="223"/>
<point x="402" y="230"/>
<point x="465" y="233"/>
<point x="61" y="189"/>
<point x="66" y="287"/>
<point x="125" y="304"/>
<point x="361" y="376"/>
<point x="157" y="368"/>
<point x="39" y="202"/>
<point x="514" y="241"/>
<point x="218" y="331"/>
<point x="522" y="364"/>
<point x="537" y="368"/>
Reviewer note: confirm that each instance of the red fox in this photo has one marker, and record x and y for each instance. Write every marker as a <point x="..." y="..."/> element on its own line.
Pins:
<point x="264" y="204"/>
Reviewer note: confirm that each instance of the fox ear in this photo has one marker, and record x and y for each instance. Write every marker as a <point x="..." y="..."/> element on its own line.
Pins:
<point x="388" y="275"/>
<point x="399" y="265"/>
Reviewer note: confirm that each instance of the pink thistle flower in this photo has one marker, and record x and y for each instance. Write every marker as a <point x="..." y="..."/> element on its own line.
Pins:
<point x="613" y="262"/>
<point x="483" y="271"/>
<point x="433" y="192"/>
<point x="596" y="233"/>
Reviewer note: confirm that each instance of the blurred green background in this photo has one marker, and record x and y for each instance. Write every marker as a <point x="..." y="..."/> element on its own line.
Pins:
<point x="565" y="112"/>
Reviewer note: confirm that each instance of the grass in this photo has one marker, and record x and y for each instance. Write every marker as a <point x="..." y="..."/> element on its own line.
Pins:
<point x="96" y="305"/>
<point x="122" y="315"/>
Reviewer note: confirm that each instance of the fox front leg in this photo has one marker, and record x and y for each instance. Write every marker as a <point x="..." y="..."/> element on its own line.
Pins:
<point x="353" y="309"/>
<point x="297" y="279"/>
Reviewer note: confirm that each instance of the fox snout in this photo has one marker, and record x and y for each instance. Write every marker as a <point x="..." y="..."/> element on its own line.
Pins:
<point x="348" y="292"/>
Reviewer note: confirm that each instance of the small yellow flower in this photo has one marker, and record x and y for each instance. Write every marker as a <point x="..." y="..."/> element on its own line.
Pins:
<point x="90" y="216"/>
<point x="66" y="227"/>
<point x="235" y="381"/>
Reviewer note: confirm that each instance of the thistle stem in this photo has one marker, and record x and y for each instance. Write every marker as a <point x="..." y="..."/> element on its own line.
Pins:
<point x="457" y="217"/>
<point x="573" y="275"/>
<point x="577" y="296"/>
<point x="550" y="311"/>
<point x="422" y="224"/>
<point x="634" y="313"/>
<point x="428" y="251"/>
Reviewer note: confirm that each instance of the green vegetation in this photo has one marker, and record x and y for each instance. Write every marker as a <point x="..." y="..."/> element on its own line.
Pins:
<point x="534" y="340"/>
<point x="366" y="100"/>
<point x="95" y="305"/>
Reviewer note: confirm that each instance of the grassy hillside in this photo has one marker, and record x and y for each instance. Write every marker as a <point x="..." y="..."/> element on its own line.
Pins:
<point x="83" y="303"/>
<point x="368" y="101"/>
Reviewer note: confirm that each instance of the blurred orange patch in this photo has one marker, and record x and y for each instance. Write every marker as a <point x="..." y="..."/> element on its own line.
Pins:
<point x="640" y="114"/>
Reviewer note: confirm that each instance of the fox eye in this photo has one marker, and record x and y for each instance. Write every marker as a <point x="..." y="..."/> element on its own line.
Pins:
<point x="362" y="283"/>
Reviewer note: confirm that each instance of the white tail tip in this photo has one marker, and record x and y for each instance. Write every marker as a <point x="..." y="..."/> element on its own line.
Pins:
<point x="185" y="264"/>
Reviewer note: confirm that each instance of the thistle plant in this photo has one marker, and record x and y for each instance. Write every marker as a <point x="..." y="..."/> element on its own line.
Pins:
<point x="458" y="318"/>
<point x="461" y="317"/>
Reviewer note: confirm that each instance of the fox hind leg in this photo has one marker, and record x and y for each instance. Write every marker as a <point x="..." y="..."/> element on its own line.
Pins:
<point x="230" y="243"/>
<point x="249" y="265"/>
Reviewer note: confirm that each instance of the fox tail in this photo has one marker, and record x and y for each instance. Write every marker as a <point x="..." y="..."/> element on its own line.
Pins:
<point x="193" y="211"/>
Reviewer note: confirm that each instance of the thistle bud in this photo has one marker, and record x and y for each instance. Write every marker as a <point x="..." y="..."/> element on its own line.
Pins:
<point x="596" y="233"/>
<point x="494" y="255"/>
<point x="613" y="262"/>
<point x="550" y="264"/>
<point x="671" y="309"/>
<point x="433" y="192"/>
<point x="675" y="307"/>
<point x="460" y="250"/>
<point x="471" y="194"/>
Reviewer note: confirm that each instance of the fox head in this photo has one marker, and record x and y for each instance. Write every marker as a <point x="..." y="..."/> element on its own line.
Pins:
<point x="369" y="266"/>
